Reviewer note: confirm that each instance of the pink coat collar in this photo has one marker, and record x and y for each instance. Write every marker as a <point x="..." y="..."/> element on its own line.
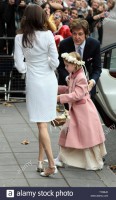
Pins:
<point x="74" y="75"/>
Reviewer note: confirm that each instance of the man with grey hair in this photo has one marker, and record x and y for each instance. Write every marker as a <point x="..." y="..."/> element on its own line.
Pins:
<point x="90" y="52"/>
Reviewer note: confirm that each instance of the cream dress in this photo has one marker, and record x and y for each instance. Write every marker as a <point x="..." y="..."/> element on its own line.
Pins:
<point x="89" y="159"/>
<point x="41" y="82"/>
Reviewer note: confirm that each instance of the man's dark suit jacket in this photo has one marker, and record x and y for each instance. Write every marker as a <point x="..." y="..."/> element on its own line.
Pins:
<point x="91" y="56"/>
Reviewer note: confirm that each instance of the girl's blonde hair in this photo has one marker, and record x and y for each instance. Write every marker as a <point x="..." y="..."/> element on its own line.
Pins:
<point x="78" y="58"/>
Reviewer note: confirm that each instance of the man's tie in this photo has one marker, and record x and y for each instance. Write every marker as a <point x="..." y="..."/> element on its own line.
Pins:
<point x="79" y="51"/>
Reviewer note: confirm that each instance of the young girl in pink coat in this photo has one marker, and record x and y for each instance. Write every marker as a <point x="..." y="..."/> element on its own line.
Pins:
<point x="82" y="137"/>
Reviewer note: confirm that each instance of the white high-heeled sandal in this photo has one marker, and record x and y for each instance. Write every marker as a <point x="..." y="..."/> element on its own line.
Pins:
<point x="40" y="167"/>
<point x="47" y="172"/>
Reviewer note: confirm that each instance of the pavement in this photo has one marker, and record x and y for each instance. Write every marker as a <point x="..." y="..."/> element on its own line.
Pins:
<point x="18" y="161"/>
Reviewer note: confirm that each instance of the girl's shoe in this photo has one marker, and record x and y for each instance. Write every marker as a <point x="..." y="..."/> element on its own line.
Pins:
<point x="57" y="162"/>
<point x="40" y="167"/>
<point x="49" y="171"/>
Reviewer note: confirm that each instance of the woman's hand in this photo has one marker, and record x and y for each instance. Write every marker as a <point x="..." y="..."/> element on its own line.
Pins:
<point x="58" y="98"/>
<point x="67" y="80"/>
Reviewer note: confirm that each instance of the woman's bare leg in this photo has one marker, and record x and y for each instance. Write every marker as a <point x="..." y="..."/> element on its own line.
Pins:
<point x="41" y="150"/>
<point x="45" y="142"/>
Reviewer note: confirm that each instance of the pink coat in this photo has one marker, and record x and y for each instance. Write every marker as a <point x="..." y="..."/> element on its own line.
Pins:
<point x="84" y="128"/>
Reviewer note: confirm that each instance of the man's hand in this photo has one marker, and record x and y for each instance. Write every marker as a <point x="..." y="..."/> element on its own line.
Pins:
<point x="91" y="84"/>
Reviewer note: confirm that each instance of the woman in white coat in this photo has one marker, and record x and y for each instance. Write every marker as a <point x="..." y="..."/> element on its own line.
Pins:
<point x="36" y="55"/>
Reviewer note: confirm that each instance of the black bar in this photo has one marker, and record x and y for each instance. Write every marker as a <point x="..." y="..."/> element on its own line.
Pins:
<point x="7" y="38"/>
<point x="12" y="91"/>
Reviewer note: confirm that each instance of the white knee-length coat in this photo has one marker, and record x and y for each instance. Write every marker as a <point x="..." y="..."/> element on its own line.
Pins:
<point x="39" y="66"/>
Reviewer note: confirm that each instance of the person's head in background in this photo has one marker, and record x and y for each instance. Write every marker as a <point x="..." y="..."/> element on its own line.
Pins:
<point x="71" y="3"/>
<point x="102" y="7"/>
<point x="110" y="4"/>
<point x="46" y="6"/>
<point x="66" y="13"/>
<point x="78" y="4"/>
<point x="83" y="12"/>
<point x="84" y="4"/>
<point x="95" y="4"/>
<point x="74" y="13"/>
<point x="57" y="16"/>
<point x="34" y="19"/>
<point x="80" y="30"/>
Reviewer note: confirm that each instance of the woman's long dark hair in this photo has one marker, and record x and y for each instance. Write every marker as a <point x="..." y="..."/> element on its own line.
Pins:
<point x="44" y="5"/>
<point x="34" y="18"/>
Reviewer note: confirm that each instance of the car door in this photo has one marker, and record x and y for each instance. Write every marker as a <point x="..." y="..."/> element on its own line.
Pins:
<point x="106" y="87"/>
